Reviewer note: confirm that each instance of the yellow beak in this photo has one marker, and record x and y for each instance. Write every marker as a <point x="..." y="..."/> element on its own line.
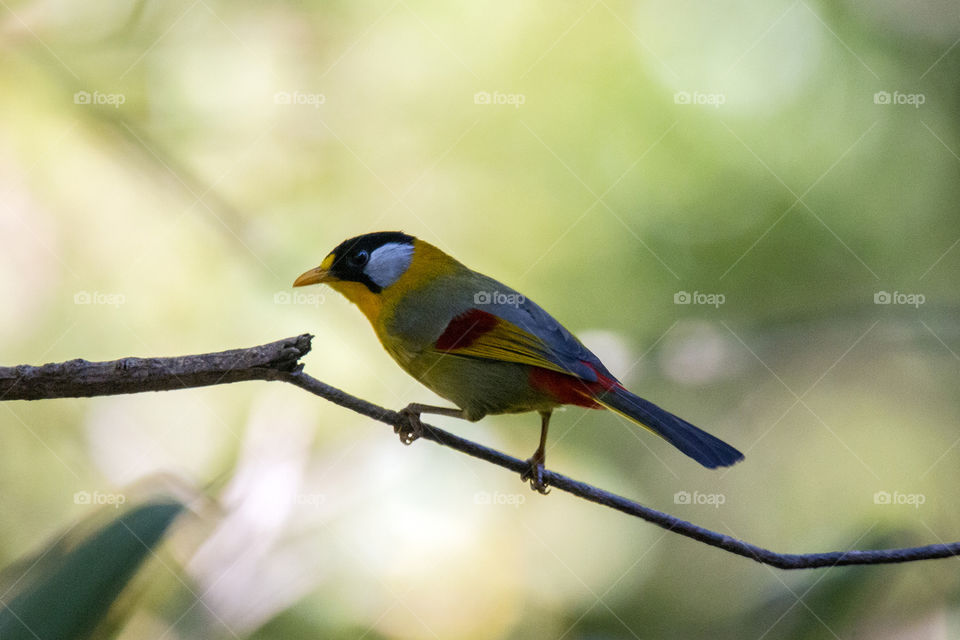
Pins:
<point x="314" y="276"/>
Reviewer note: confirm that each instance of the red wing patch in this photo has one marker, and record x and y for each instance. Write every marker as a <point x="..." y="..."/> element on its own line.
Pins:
<point x="465" y="329"/>
<point x="567" y="389"/>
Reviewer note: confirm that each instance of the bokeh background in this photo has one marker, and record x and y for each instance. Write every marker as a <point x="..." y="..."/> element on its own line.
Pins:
<point x="749" y="210"/>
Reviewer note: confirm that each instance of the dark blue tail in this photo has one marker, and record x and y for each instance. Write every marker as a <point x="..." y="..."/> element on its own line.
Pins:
<point x="698" y="444"/>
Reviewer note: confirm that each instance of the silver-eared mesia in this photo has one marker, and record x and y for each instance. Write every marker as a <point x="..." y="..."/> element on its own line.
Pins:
<point x="483" y="346"/>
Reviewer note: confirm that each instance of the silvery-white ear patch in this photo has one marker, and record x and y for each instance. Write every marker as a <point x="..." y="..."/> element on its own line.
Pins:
<point x="388" y="262"/>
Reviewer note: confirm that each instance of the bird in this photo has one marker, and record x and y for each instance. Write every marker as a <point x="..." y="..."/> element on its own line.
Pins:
<point x="485" y="347"/>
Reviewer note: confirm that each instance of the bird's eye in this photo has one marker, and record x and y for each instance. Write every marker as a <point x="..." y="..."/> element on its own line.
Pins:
<point x="359" y="258"/>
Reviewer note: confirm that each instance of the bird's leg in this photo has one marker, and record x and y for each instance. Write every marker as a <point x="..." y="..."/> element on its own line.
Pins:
<point x="535" y="473"/>
<point x="413" y="428"/>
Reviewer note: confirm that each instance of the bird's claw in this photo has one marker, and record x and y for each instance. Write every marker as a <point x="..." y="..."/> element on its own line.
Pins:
<point x="412" y="428"/>
<point x="534" y="474"/>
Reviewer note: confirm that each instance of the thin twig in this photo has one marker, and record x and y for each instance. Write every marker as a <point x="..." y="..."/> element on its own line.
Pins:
<point x="280" y="361"/>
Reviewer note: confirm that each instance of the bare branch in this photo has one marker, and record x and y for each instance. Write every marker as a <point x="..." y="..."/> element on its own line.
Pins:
<point x="280" y="361"/>
<point x="80" y="378"/>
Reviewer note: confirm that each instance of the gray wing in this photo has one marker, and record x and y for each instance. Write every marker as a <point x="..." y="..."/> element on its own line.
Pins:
<point x="563" y="348"/>
<point x="421" y="318"/>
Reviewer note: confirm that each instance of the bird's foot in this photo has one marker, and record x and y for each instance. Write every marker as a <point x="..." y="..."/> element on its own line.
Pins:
<point x="413" y="427"/>
<point x="534" y="474"/>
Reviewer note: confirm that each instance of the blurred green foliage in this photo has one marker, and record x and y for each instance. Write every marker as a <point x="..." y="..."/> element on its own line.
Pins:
<point x="67" y="592"/>
<point x="169" y="168"/>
